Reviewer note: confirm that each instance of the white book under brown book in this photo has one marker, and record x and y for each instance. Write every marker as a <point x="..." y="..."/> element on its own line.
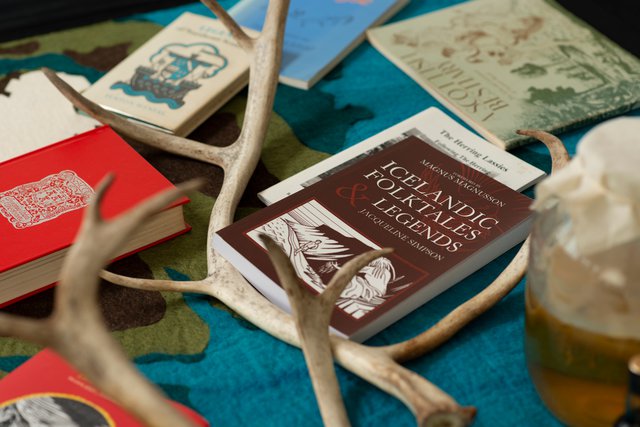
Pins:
<point x="178" y="78"/>
<point x="433" y="127"/>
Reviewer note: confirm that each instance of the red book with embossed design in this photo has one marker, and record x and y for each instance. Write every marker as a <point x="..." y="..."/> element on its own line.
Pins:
<point x="46" y="390"/>
<point x="42" y="196"/>
<point x="444" y="220"/>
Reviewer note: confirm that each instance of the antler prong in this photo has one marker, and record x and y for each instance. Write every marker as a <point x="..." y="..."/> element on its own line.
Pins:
<point x="377" y="365"/>
<point x="76" y="329"/>
<point x="559" y="155"/>
<point x="193" y="286"/>
<point x="155" y="138"/>
<point x="311" y="314"/>
<point x="492" y="294"/>
<point x="242" y="38"/>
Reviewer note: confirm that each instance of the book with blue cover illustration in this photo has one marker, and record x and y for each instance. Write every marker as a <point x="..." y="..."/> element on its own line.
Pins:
<point x="319" y="33"/>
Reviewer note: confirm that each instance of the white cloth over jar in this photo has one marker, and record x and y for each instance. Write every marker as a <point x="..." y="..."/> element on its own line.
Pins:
<point x="600" y="187"/>
<point x="593" y="269"/>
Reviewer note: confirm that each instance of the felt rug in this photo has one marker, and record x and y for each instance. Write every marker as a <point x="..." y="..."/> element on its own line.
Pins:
<point x="206" y="356"/>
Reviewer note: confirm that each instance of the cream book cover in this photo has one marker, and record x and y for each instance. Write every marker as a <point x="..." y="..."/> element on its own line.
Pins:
<point x="503" y="65"/>
<point x="178" y="78"/>
<point x="433" y="127"/>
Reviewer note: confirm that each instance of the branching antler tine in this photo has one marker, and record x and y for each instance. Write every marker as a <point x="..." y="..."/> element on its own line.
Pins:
<point x="276" y="18"/>
<point x="36" y="331"/>
<point x="245" y="152"/>
<point x="430" y="405"/>
<point x="92" y="214"/>
<point x="311" y="315"/>
<point x="242" y="38"/>
<point x="114" y="233"/>
<point x="559" y="155"/>
<point x="286" y="273"/>
<point x="457" y="319"/>
<point x="155" y="284"/>
<point x="155" y="138"/>
<point x="492" y="294"/>
<point x="79" y="334"/>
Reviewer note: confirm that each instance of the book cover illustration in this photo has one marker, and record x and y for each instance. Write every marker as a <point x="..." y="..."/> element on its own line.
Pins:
<point x="318" y="33"/>
<point x="443" y="219"/>
<point x="47" y="391"/>
<point x="33" y="203"/>
<point x="172" y="72"/>
<point x="177" y="78"/>
<point x="53" y="409"/>
<point x="504" y="65"/>
<point x="318" y="243"/>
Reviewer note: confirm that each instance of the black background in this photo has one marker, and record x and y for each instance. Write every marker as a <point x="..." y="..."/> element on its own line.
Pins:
<point x="617" y="19"/>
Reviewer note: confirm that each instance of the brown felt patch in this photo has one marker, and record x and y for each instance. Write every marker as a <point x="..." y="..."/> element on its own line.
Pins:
<point x="219" y="130"/>
<point x="101" y="58"/>
<point x="123" y="308"/>
<point x="126" y="308"/>
<point x="21" y="49"/>
<point x="260" y="180"/>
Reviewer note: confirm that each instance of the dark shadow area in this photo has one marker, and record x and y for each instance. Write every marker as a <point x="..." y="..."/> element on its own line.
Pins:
<point x="616" y="19"/>
<point x="23" y="18"/>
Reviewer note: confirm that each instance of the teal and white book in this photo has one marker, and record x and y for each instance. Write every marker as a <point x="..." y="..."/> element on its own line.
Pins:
<point x="319" y="33"/>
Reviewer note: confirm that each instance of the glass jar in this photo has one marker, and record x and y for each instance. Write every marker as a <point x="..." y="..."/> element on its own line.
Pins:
<point x="583" y="294"/>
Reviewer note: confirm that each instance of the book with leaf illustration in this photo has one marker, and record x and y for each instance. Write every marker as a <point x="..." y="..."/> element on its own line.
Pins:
<point x="503" y="65"/>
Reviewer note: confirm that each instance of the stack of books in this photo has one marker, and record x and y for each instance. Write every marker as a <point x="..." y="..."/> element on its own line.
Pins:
<point x="404" y="189"/>
<point x="446" y="199"/>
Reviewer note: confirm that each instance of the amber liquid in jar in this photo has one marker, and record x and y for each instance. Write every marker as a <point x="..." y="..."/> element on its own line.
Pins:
<point x="580" y="375"/>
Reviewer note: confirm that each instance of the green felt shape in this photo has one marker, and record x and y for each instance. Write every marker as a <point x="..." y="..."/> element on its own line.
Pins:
<point x="83" y="39"/>
<point x="179" y="332"/>
<point x="186" y="253"/>
<point x="283" y="154"/>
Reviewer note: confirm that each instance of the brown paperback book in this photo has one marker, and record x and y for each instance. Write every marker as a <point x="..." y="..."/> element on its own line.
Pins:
<point x="444" y="220"/>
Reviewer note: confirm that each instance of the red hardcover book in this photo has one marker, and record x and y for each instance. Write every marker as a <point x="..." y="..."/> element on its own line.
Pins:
<point x="46" y="390"/>
<point x="42" y="196"/>
<point x="444" y="220"/>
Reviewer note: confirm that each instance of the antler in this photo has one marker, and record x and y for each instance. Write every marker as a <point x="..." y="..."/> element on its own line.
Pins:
<point x="448" y="326"/>
<point x="377" y="365"/>
<point x="76" y="329"/>
<point x="312" y="315"/>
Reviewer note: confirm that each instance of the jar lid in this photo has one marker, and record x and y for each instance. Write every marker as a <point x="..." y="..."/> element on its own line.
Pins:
<point x="600" y="188"/>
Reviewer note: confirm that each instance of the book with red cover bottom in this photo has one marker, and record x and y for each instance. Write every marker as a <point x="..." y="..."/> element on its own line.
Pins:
<point x="444" y="220"/>
<point x="42" y="196"/>
<point x="46" y="390"/>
